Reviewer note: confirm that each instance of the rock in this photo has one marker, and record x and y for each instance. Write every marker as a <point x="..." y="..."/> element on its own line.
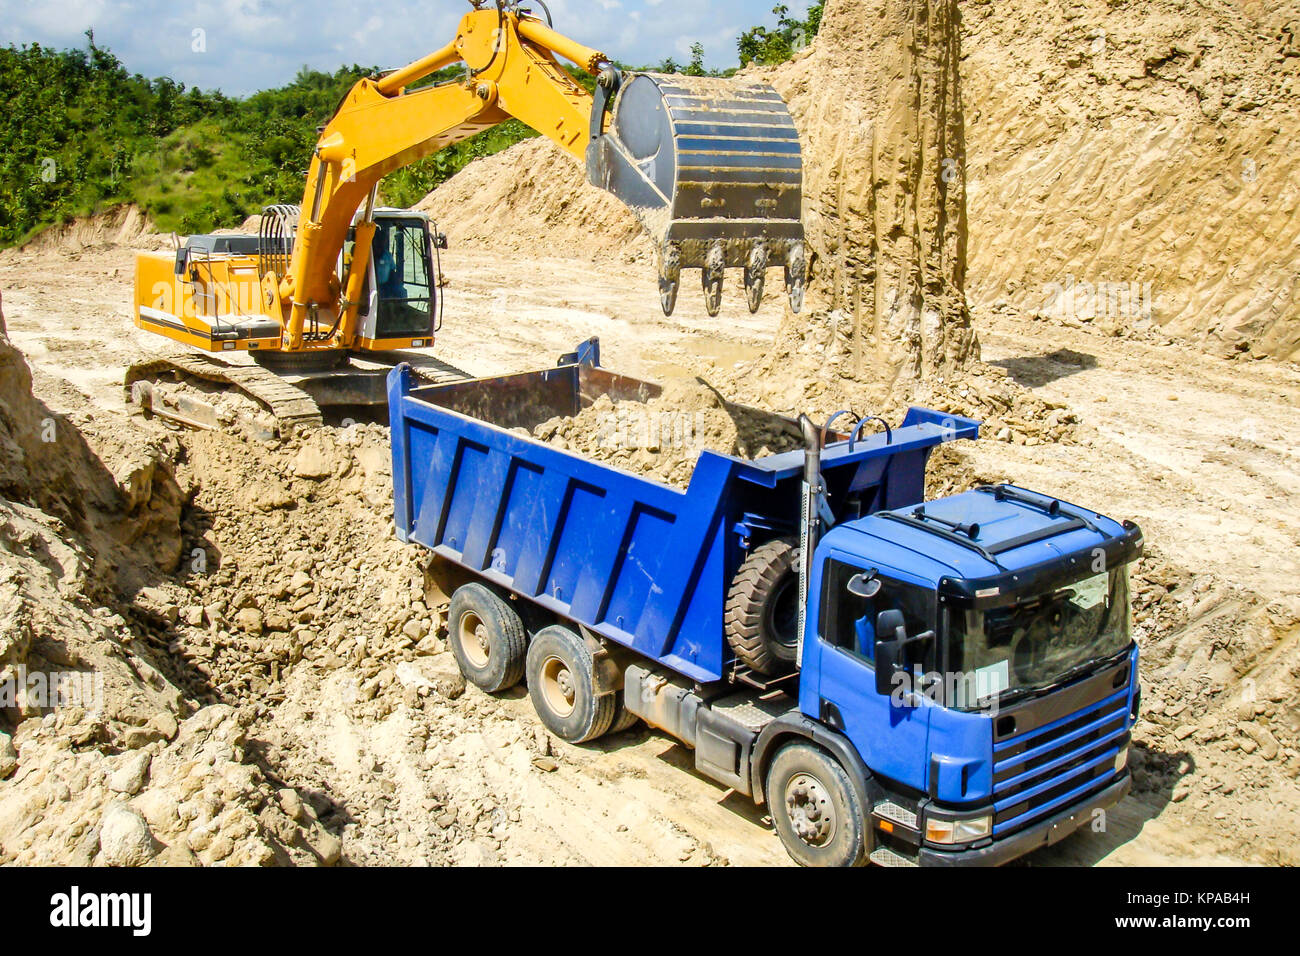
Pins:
<point x="8" y="757"/>
<point x="1185" y="731"/>
<point x="329" y="848"/>
<point x="130" y="775"/>
<point x="1261" y="735"/>
<point x="291" y="804"/>
<point x="164" y="723"/>
<point x="301" y="581"/>
<point x="136" y="737"/>
<point x="312" y="462"/>
<point x="250" y="620"/>
<point x="158" y="603"/>
<point x="546" y="764"/>
<point x="124" y="836"/>
<point x="439" y="673"/>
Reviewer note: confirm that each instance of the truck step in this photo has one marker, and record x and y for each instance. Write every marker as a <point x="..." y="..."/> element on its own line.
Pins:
<point x="752" y="713"/>
<point x="884" y="856"/>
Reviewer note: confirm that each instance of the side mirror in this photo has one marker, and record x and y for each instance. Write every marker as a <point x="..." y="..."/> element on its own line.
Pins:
<point x="890" y="624"/>
<point x="440" y="240"/>
<point x="887" y="665"/>
<point x="891" y="634"/>
<point x="865" y="584"/>
<point x="182" y="261"/>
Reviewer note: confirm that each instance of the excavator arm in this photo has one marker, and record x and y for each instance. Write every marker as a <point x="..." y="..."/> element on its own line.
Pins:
<point x="710" y="167"/>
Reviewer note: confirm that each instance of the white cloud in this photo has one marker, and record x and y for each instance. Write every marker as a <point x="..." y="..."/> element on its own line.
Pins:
<point x="254" y="44"/>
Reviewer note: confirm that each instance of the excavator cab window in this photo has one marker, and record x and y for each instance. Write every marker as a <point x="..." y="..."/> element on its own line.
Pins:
<point x="400" y="257"/>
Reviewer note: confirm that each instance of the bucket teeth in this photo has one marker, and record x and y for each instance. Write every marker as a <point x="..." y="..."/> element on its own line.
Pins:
<point x="711" y="276"/>
<point x="670" y="276"/>
<point x="795" y="271"/>
<point x="712" y="169"/>
<point x="755" y="273"/>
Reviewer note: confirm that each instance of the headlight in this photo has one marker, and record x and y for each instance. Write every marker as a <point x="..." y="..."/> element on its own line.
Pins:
<point x="939" y="830"/>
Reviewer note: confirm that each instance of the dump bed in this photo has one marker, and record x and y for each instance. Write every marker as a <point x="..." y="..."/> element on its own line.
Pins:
<point x="637" y="561"/>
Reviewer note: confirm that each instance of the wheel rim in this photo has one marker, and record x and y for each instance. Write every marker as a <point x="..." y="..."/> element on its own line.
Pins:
<point x="558" y="687"/>
<point x="472" y="636"/>
<point x="783" y="612"/>
<point x="810" y="810"/>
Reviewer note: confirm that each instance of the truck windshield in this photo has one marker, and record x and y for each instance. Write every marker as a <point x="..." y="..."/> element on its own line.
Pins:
<point x="1033" y="643"/>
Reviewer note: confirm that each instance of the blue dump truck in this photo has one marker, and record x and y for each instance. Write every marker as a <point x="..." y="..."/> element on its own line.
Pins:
<point x="900" y="681"/>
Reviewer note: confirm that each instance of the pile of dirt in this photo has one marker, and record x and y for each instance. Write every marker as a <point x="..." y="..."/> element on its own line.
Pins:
<point x="534" y="198"/>
<point x="1219" y="731"/>
<point x="664" y="436"/>
<point x="103" y="759"/>
<point x="124" y="225"/>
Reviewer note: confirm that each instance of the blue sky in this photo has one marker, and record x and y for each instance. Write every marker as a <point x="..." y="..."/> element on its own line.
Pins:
<point x="247" y="45"/>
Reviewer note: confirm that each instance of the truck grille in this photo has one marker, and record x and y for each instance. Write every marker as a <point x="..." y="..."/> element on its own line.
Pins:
<point x="1051" y="766"/>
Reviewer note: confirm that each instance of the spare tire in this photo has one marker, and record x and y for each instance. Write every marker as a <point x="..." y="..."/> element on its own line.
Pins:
<point x="762" y="614"/>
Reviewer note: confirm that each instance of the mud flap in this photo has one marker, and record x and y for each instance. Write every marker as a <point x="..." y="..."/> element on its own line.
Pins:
<point x="713" y="170"/>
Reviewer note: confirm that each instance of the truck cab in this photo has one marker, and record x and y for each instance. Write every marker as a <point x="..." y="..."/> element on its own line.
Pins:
<point x="977" y="653"/>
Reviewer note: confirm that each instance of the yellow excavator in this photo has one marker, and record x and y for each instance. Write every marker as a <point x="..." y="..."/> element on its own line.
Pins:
<point x="326" y="291"/>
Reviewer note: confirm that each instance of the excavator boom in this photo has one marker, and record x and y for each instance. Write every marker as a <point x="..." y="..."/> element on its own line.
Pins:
<point x="711" y="167"/>
<point x="326" y="291"/>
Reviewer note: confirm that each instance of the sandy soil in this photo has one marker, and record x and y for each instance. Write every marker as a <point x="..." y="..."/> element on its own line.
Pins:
<point x="1193" y="447"/>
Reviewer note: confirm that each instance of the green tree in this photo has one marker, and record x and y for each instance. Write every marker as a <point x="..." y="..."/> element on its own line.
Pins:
<point x="696" y="66"/>
<point x="767" y="47"/>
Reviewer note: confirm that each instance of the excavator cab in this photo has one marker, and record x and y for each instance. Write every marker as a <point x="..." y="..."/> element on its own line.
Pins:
<point x="400" y="298"/>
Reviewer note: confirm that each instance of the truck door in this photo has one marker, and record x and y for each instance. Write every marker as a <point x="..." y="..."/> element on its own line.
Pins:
<point x="891" y="738"/>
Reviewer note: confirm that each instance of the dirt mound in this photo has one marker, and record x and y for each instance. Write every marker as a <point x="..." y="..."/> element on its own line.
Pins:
<point x="533" y="197"/>
<point x="120" y="226"/>
<point x="1219" y="730"/>
<point x="663" y="437"/>
<point x="100" y="760"/>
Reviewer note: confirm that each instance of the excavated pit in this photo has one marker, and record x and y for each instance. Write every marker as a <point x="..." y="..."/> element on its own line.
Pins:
<point x="275" y="687"/>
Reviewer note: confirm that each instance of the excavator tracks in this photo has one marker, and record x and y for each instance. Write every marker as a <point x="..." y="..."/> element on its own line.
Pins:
<point x="292" y="407"/>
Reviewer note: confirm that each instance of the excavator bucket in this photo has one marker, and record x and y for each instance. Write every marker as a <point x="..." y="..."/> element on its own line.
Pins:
<point x="712" y="169"/>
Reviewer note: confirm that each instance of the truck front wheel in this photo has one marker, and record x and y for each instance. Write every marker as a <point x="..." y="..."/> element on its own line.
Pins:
<point x="816" y="811"/>
<point x="487" y="638"/>
<point x="562" y="684"/>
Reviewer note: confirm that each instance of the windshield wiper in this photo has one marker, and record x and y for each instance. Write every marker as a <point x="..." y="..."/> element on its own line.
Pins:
<point x="1092" y="664"/>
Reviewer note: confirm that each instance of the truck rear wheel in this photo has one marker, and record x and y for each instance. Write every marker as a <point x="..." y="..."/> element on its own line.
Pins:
<point x="562" y="684"/>
<point x="762" y="615"/>
<point x="487" y="638"/>
<point x="816" y="811"/>
<point x="623" y="718"/>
